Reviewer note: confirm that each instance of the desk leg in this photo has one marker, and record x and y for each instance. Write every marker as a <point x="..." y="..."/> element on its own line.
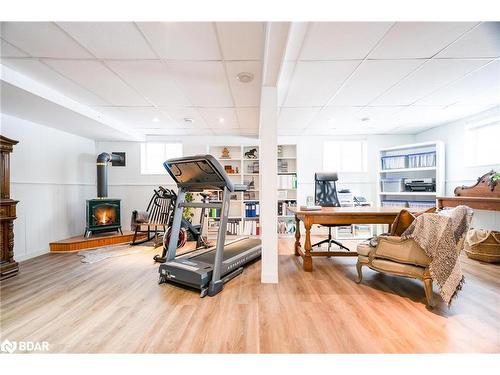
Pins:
<point x="308" y="264"/>
<point x="297" y="236"/>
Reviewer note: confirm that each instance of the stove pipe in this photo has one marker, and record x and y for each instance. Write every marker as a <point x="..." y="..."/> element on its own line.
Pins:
<point x="102" y="172"/>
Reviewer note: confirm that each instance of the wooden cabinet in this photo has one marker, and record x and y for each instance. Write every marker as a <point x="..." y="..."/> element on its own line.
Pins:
<point x="8" y="266"/>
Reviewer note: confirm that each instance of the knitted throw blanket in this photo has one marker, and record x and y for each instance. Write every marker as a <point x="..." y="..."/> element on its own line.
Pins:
<point x="441" y="236"/>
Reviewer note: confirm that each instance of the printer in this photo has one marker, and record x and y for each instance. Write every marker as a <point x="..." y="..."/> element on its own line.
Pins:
<point x="427" y="184"/>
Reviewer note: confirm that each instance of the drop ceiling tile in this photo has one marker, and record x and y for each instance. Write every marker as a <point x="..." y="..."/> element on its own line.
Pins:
<point x="204" y="83"/>
<point x="479" y="87"/>
<point x="377" y="116"/>
<point x="313" y="83"/>
<point x="241" y="40"/>
<point x="372" y="78"/>
<point x="296" y="117"/>
<point x="45" y="75"/>
<point x="341" y="40"/>
<point x="178" y="114"/>
<point x="425" y="117"/>
<point x="482" y="41"/>
<point x="334" y="116"/>
<point x="428" y="78"/>
<point x="42" y="39"/>
<point x="174" y="132"/>
<point x="8" y="50"/>
<point x="182" y="40"/>
<point x="248" y="117"/>
<point x="245" y="94"/>
<point x="110" y="40"/>
<point x="139" y="117"/>
<point x="226" y="131"/>
<point x="97" y="78"/>
<point x="152" y="79"/>
<point x="219" y="118"/>
<point x="287" y="131"/>
<point x="249" y="131"/>
<point x="418" y="39"/>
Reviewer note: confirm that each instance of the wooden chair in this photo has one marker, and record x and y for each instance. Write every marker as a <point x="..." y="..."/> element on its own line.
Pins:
<point x="156" y="218"/>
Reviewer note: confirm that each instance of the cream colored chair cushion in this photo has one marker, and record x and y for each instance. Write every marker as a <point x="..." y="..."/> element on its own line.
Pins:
<point x="403" y="251"/>
<point x="364" y="249"/>
<point x="398" y="268"/>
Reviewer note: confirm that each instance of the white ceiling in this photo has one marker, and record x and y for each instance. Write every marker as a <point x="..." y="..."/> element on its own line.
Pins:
<point x="398" y="77"/>
<point x="402" y="77"/>
<point x="150" y="76"/>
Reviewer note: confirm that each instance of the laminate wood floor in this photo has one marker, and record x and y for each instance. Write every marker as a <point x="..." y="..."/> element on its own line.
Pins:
<point x="116" y="306"/>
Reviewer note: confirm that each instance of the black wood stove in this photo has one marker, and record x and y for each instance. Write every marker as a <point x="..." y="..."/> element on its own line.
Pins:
<point x="103" y="213"/>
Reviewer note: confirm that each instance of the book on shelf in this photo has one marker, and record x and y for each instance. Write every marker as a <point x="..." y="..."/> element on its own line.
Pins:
<point x="286" y="226"/>
<point x="253" y="167"/>
<point x="252" y="209"/>
<point x="284" y="206"/>
<point x="251" y="228"/>
<point x="287" y="181"/>
<point x="282" y="166"/>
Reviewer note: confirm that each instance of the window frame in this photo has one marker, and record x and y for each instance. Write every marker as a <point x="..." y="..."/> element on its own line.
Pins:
<point x="471" y="134"/>
<point x="145" y="169"/>
<point x="342" y="142"/>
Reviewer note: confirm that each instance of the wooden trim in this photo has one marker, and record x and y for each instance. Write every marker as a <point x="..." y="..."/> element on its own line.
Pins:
<point x="80" y="243"/>
<point x="479" y="203"/>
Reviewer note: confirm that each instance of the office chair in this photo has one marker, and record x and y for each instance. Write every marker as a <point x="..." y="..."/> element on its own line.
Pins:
<point x="325" y="195"/>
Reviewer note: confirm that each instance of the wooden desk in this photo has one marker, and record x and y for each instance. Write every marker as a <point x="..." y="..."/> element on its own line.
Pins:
<point x="336" y="215"/>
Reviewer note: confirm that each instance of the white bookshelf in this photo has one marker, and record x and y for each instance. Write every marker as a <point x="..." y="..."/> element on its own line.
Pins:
<point x="241" y="170"/>
<point x="399" y="197"/>
<point x="287" y="188"/>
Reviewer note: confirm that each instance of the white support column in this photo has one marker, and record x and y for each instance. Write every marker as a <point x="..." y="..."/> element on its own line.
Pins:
<point x="269" y="183"/>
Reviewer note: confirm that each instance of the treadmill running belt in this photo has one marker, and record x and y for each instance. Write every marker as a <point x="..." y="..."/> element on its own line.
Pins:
<point x="230" y="250"/>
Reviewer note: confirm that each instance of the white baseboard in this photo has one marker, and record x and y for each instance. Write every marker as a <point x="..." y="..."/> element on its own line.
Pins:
<point x="20" y="258"/>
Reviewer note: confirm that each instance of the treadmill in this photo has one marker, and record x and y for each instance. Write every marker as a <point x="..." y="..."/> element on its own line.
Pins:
<point x="207" y="269"/>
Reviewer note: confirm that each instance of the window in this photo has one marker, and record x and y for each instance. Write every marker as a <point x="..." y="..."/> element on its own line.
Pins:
<point x="344" y="156"/>
<point x="482" y="143"/>
<point x="154" y="154"/>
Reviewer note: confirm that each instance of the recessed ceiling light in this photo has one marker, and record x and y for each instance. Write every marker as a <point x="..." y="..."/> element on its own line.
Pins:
<point x="188" y="120"/>
<point x="221" y="120"/>
<point x="245" y="77"/>
<point x="156" y="119"/>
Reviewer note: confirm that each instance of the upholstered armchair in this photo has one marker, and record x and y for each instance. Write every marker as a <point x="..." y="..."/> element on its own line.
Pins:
<point x="398" y="257"/>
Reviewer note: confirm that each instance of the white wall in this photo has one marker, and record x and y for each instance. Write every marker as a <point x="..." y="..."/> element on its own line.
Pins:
<point x="310" y="160"/>
<point x="134" y="189"/>
<point x="457" y="172"/>
<point x="52" y="174"/>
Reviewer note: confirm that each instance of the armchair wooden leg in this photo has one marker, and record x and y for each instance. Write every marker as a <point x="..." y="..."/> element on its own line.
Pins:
<point x="428" y="292"/>
<point x="359" y="265"/>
